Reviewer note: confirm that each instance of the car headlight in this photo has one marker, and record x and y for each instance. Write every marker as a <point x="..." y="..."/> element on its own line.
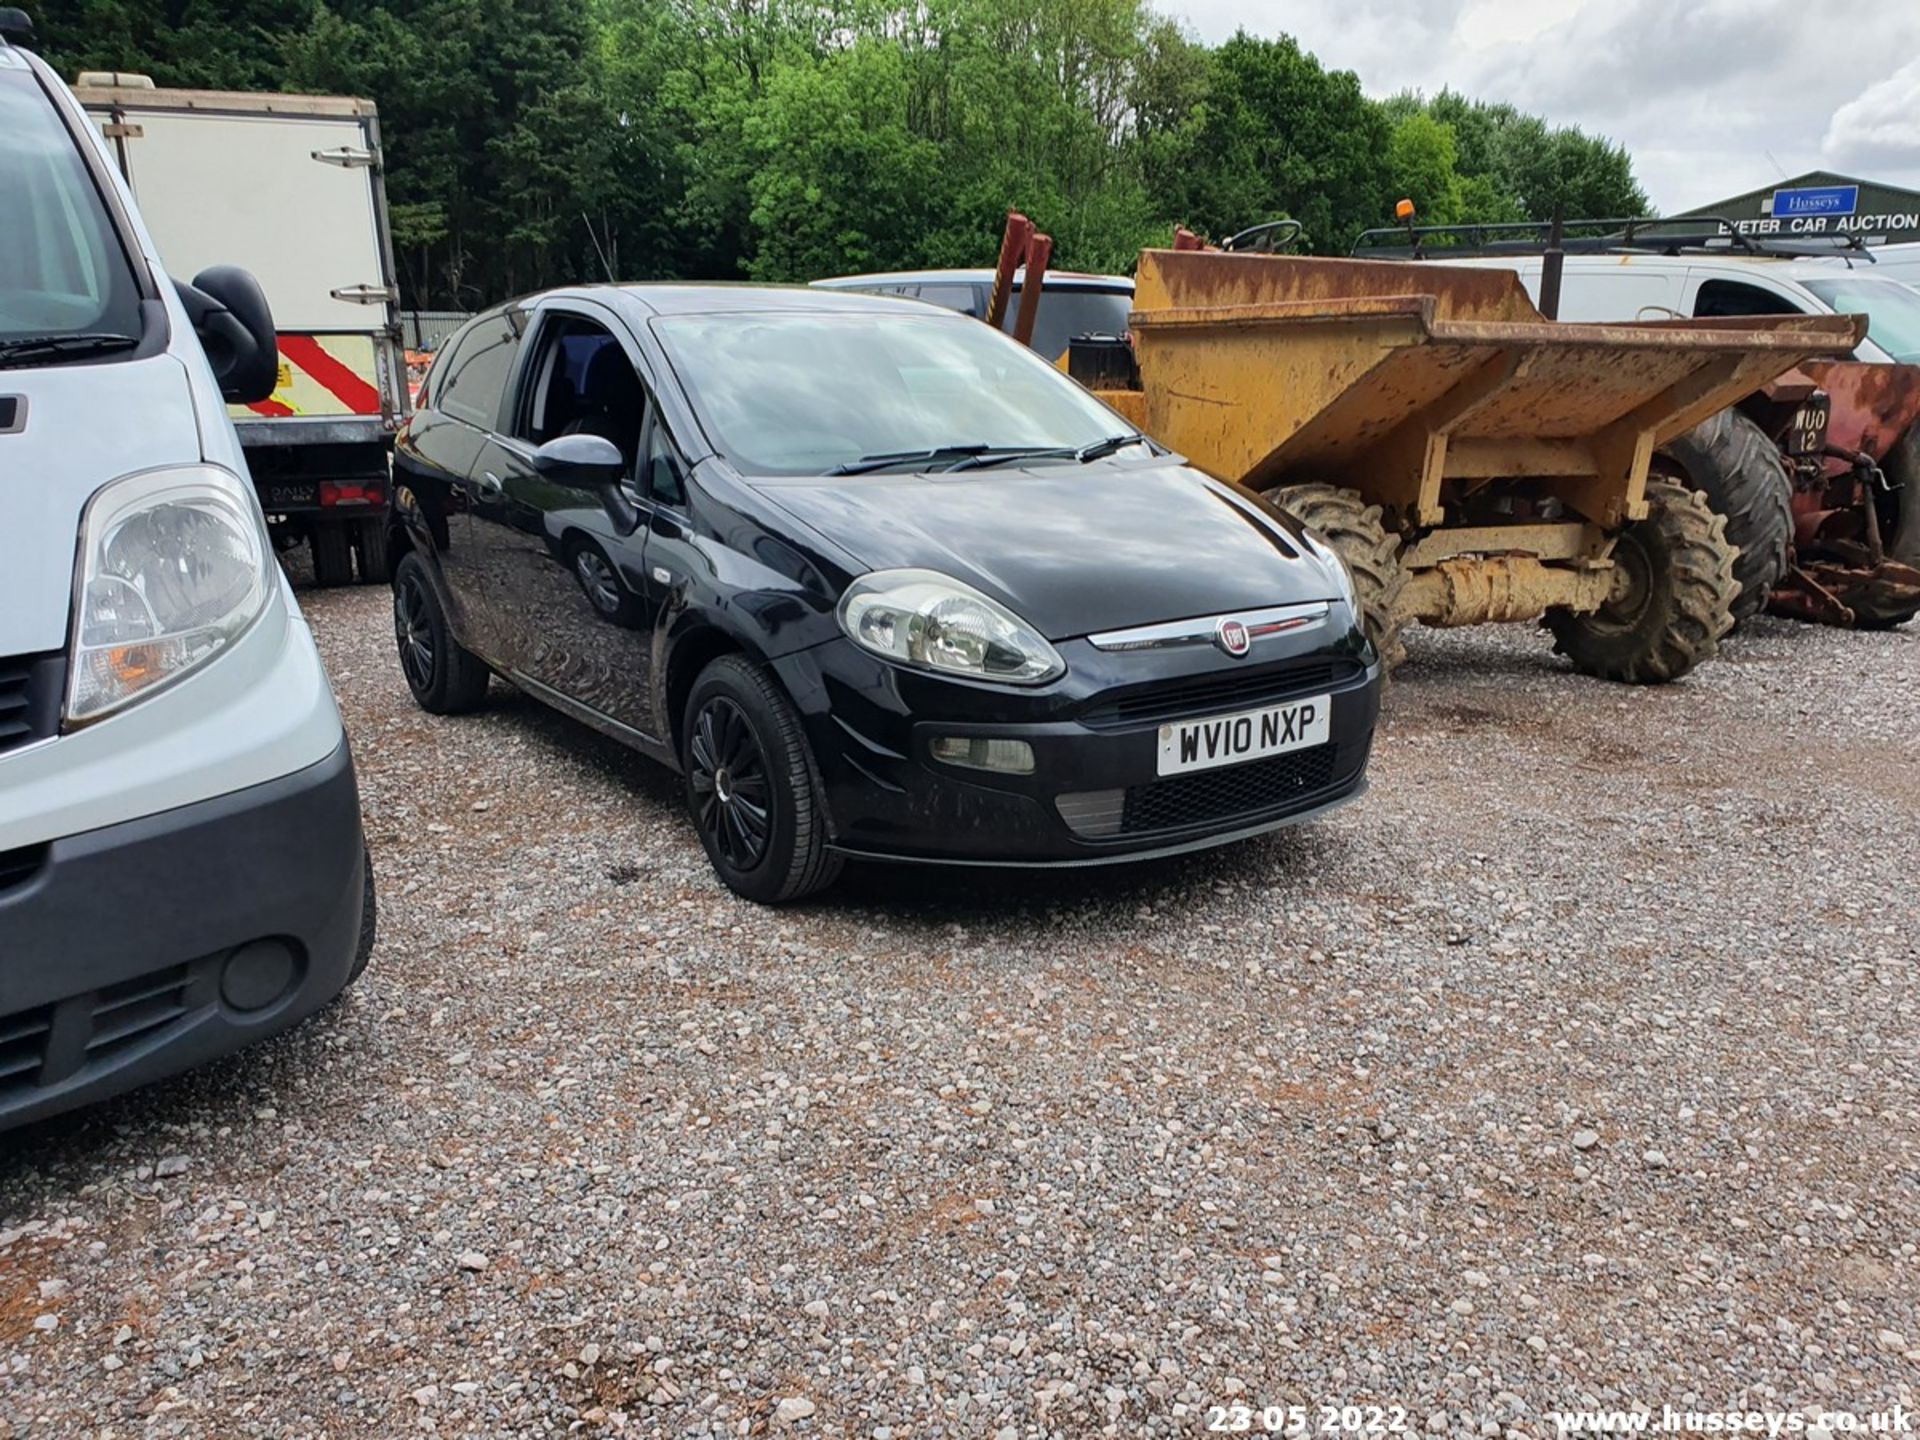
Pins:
<point x="933" y="622"/>
<point x="172" y="568"/>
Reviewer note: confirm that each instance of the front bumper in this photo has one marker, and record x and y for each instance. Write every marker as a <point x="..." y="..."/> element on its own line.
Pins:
<point x="1094" y="796"/>
<point x="145" y="948"/>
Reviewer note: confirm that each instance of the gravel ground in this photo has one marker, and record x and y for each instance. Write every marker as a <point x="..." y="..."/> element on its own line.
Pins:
<point x="1577" y="1065"/>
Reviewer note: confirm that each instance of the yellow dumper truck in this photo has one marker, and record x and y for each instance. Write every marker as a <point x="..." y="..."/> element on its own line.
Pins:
<point x="1469" y="459"/>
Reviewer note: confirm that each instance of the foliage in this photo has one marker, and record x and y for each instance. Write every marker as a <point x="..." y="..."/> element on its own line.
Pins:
<point x="533" y="142"/>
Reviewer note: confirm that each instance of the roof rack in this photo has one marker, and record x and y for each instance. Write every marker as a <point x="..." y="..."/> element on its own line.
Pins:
<point x="1688" y="234"/>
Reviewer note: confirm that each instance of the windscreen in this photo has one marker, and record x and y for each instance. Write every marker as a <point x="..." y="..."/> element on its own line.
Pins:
<point x="1892" y="311"/>
<point x="62" y="269"/>
<point x="801" y="393"/>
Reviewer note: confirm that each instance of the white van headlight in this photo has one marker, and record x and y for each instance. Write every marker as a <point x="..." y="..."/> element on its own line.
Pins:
<point x="173" y="567"/>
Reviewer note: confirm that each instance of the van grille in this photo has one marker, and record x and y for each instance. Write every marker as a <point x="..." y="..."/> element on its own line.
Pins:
<point x="52" y="1043"/>
<point x="29" y="698"/>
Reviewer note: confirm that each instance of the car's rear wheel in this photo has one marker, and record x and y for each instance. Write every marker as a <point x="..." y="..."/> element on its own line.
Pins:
<point x="751" y="788"/>
<point x="444" y="676"/>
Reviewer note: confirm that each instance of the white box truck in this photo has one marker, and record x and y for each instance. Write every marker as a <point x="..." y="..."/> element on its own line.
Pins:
<point x="291" y="188"/>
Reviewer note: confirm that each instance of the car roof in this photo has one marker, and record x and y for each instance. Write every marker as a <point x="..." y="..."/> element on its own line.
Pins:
<point x="713" y="298"/>
<point x="1065" y="279"/>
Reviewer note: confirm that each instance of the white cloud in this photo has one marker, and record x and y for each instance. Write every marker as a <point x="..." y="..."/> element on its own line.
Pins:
<point x="1711" y="97"/>
<point x="1880" y="128"/>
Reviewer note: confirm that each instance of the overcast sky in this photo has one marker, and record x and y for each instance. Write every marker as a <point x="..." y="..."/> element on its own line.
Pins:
<point x="1711" y="97"/>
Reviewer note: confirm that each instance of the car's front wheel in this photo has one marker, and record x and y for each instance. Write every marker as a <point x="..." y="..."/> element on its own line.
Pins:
<point x="750" y="786"/>
<point x="445" y="677"/>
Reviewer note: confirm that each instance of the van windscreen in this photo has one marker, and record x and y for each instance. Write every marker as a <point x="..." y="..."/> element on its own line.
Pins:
<point x="63" y="274"/>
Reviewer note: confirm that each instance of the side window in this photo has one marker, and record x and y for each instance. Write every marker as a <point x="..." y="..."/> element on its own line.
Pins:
<point x="477" y="373"/>
<point x="664" y="478"/>
<point x="953" y="297"/>
<point x="581" y="384"/>
<point x="1733" y="297"/>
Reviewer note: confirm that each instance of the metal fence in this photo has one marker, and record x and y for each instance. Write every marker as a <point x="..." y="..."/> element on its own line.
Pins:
<point x="426" y="329"/>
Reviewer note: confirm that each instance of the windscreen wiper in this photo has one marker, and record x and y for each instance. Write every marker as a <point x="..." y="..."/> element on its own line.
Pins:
<point x="41" y="347"/>
<point x="909" y="457"/>
<point x="1084" y="454"/>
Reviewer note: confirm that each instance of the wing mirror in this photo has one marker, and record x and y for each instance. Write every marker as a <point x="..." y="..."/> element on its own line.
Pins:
<point x="229" y="313"/>
<point x="590" y="462"/>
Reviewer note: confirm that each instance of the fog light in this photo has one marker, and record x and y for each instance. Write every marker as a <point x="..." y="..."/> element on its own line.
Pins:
<point x="977" y="752"/>
<point x="259" y="973"/>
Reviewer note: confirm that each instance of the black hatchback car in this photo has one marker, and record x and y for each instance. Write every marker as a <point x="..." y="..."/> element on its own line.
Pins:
<point x="876" y="580"/>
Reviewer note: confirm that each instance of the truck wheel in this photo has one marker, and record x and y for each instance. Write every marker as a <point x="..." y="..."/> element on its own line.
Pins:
<point x="1740" y="469"/>
<point x="332" y="553"/>
<point x="1672" y="599"/>
<point x="445" y="677"/>
<point x="370" y="546"/>
<point x="1351" y="528"/>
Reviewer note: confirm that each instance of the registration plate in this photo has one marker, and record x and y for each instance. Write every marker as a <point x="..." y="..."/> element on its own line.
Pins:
<point x="1808" y="433"/>
<point x="1246" y="735"/>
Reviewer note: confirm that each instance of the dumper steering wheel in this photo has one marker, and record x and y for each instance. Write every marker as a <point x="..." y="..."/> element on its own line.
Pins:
<point x="1268" y="239"/>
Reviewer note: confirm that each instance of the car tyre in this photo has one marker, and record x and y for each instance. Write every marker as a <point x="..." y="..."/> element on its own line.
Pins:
<point x="445" y="677"/>
<point x="752" y="788"/>
<point x="369" y="919"/>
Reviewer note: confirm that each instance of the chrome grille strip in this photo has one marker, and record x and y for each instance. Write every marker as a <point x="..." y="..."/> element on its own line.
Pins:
<point x="1277" y="620"/>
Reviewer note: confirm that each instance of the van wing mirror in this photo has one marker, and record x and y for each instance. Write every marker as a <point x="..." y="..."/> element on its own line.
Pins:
<point x="229" y="313"/>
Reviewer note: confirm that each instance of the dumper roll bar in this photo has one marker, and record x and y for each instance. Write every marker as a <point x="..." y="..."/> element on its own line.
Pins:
<point x="1643" y="234"/>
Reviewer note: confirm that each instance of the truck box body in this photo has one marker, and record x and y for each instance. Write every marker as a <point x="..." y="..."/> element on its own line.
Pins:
<point x="288" y="186"/>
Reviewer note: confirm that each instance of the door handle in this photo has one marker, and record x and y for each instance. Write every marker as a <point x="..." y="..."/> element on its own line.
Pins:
<point x="489" y="486"/>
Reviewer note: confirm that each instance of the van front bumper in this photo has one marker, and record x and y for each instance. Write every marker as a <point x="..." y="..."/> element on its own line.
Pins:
<point x="141" y="949"/>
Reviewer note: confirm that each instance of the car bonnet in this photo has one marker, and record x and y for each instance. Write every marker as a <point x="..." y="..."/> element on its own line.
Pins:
<point x="1072" y="549"/>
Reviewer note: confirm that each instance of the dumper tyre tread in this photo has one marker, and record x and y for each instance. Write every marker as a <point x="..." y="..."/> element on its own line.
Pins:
<point x="1354" y="531"/>
<point x="1673" y="603"/>
<point x="1739" y="468"/>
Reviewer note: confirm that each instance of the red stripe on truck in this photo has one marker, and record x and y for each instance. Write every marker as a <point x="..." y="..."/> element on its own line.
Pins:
<point x="350" y="389"/>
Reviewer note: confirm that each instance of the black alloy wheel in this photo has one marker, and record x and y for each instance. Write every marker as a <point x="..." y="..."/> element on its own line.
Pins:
<point x="413" y="632"/>
<point x="751" y="785"/>
<point x="729" y="780"/>
<point x="445" y="677"/>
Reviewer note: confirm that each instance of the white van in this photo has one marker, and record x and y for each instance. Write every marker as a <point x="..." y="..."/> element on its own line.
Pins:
<point x="1691" y="284"/>
<point x="182" y="869"/>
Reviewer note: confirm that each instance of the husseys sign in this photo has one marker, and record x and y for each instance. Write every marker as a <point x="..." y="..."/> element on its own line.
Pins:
<point x="1822" y="204"/>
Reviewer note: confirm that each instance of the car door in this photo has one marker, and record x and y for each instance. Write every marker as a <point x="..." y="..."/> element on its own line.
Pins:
<point x="447" y="440"/>
<point x="565" y="584"/>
